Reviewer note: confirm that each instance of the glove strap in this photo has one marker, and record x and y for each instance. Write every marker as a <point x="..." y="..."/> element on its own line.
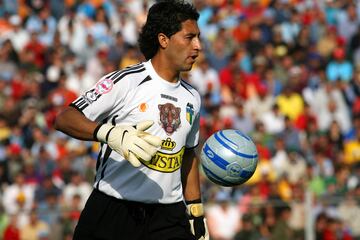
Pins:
<point x="195" y="208"/>
<point x="102" y="132"/>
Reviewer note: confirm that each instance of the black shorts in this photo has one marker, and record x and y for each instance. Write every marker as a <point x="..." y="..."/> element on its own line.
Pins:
<point x="108" y="218"/>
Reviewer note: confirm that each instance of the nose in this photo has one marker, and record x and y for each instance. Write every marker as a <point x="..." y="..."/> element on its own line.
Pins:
<point x="197" y="44"/>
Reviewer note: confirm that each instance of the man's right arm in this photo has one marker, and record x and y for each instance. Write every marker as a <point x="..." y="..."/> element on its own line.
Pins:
<point x="132" y="142"/>
<point x="73" y="123"/>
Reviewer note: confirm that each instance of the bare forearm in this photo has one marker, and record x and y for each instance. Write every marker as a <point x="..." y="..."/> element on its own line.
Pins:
<point x="75" y="124"/>
<point x="190" y="177"/>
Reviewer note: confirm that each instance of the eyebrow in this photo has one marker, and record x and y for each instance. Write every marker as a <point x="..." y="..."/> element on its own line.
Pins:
<point x="192" y="34"/>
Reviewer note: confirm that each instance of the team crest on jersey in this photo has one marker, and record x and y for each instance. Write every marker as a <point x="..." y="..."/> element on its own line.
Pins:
<point x="104" y="86"/>
<point x="189" y="113"/>
<point x="169" y="117"/>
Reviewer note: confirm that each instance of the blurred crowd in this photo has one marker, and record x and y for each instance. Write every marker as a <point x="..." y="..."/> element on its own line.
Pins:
<point x="285" y="72"/>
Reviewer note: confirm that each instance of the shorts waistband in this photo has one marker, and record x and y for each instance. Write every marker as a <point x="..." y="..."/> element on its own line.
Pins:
<point x="130" y="202"/>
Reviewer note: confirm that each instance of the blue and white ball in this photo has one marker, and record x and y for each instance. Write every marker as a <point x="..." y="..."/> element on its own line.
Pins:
<point x="229" y="157"/>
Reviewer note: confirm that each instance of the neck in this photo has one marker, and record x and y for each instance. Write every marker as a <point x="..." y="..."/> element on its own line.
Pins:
<point x="165" y="69"/>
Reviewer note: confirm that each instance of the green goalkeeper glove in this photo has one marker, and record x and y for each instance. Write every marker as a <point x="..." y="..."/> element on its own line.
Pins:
<point x="198" y="227"/>
<point x="132" y="143"/>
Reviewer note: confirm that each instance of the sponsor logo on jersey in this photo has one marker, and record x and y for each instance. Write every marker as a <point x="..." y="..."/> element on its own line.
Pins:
<point x="104" y="86"/>
<point x="168" y="144"/>
<point x="143" y="107"/>
<point x="189" y="113"/>
<point x="164" y="162"/>
<point x="90" y="96"/>
<point x="169" y="117"/>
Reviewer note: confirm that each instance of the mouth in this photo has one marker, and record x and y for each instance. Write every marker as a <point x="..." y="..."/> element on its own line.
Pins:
<point x="193" y="58"/>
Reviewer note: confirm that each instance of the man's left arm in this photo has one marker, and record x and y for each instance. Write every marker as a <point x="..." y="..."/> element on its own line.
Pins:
<point x="192" y="193"/>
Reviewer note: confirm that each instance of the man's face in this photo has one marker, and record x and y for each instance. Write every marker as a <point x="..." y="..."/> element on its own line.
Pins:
<point x="184" y="46"/>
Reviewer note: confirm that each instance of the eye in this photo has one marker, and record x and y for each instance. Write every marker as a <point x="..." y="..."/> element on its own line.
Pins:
<point x="189" y="37"/>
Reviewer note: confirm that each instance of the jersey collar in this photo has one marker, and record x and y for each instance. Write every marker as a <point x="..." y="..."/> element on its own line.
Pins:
<point x="159" y="79"/>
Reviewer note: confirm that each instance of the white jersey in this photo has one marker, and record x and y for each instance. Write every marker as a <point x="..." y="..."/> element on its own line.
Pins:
<point x="132" y="95"/>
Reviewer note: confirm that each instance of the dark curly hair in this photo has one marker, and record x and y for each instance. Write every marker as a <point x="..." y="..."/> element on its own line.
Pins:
<point x="164" y="17"/>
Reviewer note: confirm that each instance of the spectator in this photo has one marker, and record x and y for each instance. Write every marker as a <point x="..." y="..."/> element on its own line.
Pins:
<point x="247" y="231"/>
<point x="259" y="103"/>
<point x="19" y="196"/>
<point x="35" y="229"/>
<point x="291" y="29"/>
<point x="306" y="118"/>
<point x="291" y="136"/>
<point x="352" y="149"/>
<point x="49" y="210"/>
<point x="273" y="120"/>
<point x="296" y="168"/>
<point x="205" y="79"/>
<point x="329" y="104"/>
<point x="45" y="188"/>
<point x="339" y="69"/>
<point x="223" y="218"/>
<point x="320" y="225"/>
<point x="12" y="231"/>
<point x="217" y="56"/>
<point x="298" y="212"/>
<point x="77" y="186"/>
<point x="242" y="120"/>
<point x="36" y="51"/>
<point x="273" y="85"/>
<point x="349" y="213"/>
<point x="282" y="230"/>
<point x="71" y="215"/>
<point x="100" y="27"/>
<point x="73" y="32"/>
<point x="348" y="21"/>
<point x="19" y="37"/>
<point x="327" y="42"/>
<point x="118" y="49"/>
<point x="290" y="103"/>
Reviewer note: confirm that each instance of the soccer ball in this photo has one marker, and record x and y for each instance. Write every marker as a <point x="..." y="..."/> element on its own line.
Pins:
<point x="229" y="157"/>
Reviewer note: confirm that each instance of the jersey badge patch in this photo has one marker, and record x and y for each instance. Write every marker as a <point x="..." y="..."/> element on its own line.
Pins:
<point x="169" y="117"/>
<point x="90" y="96"/>
<point x="189" y="113"/>
<point x="104" y="86"/>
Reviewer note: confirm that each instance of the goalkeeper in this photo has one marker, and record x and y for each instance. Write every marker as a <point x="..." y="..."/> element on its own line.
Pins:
<point x="147" y="120"/>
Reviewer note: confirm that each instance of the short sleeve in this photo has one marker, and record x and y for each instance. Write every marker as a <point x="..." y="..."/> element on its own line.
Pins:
<point x="106" y="95"/>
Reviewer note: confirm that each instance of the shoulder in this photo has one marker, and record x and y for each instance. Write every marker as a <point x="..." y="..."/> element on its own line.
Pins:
<point x="134" y="72"/>
<point x="129" y="77"/>
<point x="189" y="89"/>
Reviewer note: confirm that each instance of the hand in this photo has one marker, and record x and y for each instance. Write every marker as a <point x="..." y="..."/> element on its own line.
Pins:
<point x="132" y="143"/>
<point x="197" y="220"/>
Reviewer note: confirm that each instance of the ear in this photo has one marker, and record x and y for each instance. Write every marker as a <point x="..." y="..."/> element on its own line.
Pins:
<point x="163" y="40"/>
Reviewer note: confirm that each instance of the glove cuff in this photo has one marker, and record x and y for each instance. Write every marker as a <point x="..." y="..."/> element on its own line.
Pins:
<point x="102" y="132"/>
<point x="195" y="209"/>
